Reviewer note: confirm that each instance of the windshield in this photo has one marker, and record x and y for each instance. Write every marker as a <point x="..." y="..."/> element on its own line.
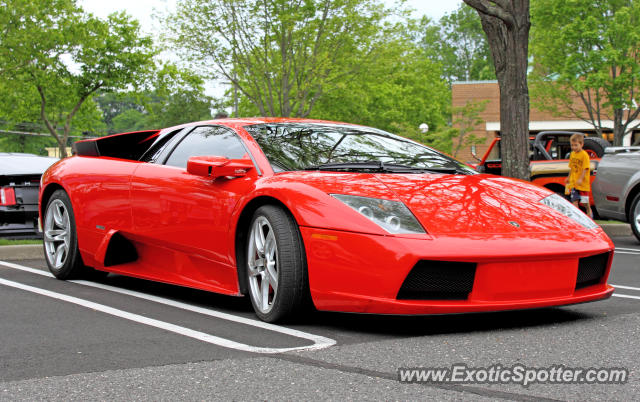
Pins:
<point x="316" y="146"/>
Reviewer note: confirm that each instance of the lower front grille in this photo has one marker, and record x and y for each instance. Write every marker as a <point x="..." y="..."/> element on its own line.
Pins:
<point x="591" y="270"/>
<point x="438" y="280"/>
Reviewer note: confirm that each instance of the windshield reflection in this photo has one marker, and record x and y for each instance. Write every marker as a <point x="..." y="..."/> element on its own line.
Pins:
<point x="300" y="146"/>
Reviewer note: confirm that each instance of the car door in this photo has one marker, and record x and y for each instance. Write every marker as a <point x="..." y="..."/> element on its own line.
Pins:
<point x="182" y="221"/>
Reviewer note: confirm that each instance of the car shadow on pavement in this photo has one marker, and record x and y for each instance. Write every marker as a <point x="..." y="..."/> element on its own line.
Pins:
<point x="446" y="324"/>
<point x="374" y="324"/>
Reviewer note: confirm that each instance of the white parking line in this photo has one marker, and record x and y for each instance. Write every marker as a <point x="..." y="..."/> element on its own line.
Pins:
<point x="628" y="249"/>
<point x="626" y="296"/>
<point x="627" y="252"/>
<point x="319" y="342"/>
<point x="623" y="250"/>
<point x="625" y="287"/>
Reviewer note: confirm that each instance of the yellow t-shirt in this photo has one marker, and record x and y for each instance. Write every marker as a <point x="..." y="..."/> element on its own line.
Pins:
<point x="579" y="161"/>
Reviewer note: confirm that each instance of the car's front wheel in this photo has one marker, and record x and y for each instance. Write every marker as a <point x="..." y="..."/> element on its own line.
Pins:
<point x="276" y="264"/>
<point x="634" y="216"/>
<point x="60" y="238"/>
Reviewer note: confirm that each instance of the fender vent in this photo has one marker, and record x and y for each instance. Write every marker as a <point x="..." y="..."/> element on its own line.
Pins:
<point x="119" y="251"/>
<point x="591" y="270"/>
<point x="438" y="280"/>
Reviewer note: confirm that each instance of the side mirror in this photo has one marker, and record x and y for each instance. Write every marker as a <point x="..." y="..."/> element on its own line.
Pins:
<point x="218" y="166"/>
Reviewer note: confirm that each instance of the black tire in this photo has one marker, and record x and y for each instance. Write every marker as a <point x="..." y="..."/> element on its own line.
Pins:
<point x="634" y="216"/>
<point x="292" y="294"/>
<point x="70" y="265"/>
<point x="596" y="144"/>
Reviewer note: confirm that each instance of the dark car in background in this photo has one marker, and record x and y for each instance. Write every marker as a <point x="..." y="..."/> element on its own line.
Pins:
<point x="616" y="189"/>
<point x="19" y="188"/>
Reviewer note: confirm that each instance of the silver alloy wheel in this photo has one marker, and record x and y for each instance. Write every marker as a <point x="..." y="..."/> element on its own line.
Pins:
<point x="635" y="217"/>
<point x="57" y="233"/>
<point x="263" y="265"/>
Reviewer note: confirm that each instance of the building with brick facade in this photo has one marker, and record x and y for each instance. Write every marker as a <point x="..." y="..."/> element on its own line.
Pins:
<point x="463" y="92"/>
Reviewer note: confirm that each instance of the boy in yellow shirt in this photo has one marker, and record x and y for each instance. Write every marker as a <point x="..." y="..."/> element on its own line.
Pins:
<point x="579" y="181"/>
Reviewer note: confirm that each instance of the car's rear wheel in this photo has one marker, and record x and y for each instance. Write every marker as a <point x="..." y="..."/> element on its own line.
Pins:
<point x="634" y="216"/>
<point x="276" y="265"/>
<point x="60" y="238"/>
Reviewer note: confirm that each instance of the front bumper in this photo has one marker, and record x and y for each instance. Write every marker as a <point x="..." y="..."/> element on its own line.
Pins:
<point x="356" y="272"/>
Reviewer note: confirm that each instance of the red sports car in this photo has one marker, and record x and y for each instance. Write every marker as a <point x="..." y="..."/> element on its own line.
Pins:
<point x="297" y="212"/>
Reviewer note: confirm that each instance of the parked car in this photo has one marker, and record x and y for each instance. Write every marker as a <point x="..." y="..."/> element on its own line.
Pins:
<point x="19" y="186"/>
<point x="616" y="189"/>
<point x="549" y="154"/>
<point x="294" y="211"/>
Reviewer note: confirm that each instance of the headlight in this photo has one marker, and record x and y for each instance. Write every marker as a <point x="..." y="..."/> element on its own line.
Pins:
<point x="392" y="216"/>
<point x="566" y="208"/>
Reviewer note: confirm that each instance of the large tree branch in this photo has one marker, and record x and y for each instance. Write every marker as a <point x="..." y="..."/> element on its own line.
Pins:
<point x="77" y="106"/>
<point x="43" y="115"/>
<point x="495" y="8"/>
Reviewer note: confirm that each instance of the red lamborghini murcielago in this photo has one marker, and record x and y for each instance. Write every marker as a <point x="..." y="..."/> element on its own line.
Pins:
<point x="299" y="213"/>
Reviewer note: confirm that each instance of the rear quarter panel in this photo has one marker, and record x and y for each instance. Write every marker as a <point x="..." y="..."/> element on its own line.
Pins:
<point x="99" y="191"/>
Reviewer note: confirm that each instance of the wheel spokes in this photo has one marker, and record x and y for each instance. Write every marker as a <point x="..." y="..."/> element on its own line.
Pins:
<point x="59" y="255"/>
<point x="262" y="264"/>
<point x="57" y="233"/>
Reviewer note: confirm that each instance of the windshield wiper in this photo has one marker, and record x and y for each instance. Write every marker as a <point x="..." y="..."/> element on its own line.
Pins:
<point x="379" y="166"/>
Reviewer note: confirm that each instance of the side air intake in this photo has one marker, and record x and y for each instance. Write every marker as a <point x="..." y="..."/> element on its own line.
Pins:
<point x="591" y="270"/>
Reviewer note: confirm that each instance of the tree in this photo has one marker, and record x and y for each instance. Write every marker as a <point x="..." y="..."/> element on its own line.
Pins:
<point x="506" y="24"/>
<point x="402" y="88"/>
<point x="68" y="55"/>
<point x="459" y="44"/>
<point x="281" y="55"/>
<point x="177" y="97"/>
<point x="590" y="53"/>
<point x="172" y="96"/>
<point x="466" y="118"/>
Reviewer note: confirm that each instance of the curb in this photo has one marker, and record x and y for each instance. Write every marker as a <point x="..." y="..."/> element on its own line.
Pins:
<point x="22" y="252"/>
<point x="617" y="229"/>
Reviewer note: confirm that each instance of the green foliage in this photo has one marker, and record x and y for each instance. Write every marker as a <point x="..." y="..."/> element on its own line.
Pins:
<point x="466" y="118"/>
<point x="401" y="88"/>
<point x="174" y="96"/>
<point x="459" y="44"/>
<point x="589" y="51"/>
<point x="281" y="55"/>
<point x="66" y="55"/>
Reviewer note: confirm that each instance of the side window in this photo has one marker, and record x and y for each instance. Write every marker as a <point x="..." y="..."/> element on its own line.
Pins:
<point x="202" y="141"/>
<point x="159" y="146"/>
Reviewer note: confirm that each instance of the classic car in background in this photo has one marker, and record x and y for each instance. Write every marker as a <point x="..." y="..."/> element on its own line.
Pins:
<point x="293" y="212"/>
<point x="616" y="189"/>
<point x="19" y="186"/>
<point x="549" y="154"/>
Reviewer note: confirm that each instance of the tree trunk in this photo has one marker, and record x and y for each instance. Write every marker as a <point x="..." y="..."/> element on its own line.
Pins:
<point x="506" y="24"/>
<point x="618" y="127"/>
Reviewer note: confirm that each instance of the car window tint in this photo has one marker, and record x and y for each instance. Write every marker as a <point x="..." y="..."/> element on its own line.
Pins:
<point x="154" y="152"/>
<point x="207" y="141"/>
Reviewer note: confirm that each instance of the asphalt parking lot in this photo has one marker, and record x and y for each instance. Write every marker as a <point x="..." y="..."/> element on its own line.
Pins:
<point x="129" y="339"/>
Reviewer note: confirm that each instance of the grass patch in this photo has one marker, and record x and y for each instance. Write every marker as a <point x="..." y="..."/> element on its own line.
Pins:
<point x="8" y="242"/>
<point x="601" y="222"/>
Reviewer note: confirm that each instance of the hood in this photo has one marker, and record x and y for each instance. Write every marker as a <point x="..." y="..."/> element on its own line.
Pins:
<point x="476" y="204"/>
<point x="443" y="204"/>
<point x="14" y="164"/>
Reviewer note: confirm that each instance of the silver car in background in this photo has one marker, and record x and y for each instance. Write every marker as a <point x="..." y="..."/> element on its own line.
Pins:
<point x="616" y="188"/>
